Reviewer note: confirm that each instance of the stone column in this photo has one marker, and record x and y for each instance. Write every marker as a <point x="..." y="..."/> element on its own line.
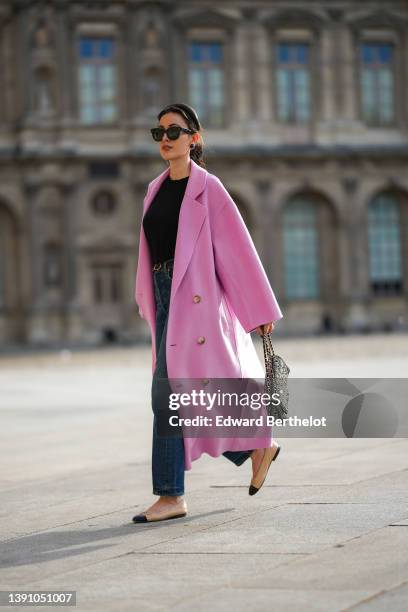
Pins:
<point x="263" y="187"/>
<point x="63" y="53"/>
<point x="240" y="89"/>
<point x="354" y="228"/>
<point x="72" y="306"/>
<point x="345" y="78"/>
<point x="328" y="73"/>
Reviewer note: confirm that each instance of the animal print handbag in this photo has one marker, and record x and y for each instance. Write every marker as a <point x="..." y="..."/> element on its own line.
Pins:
<point x="276" y="380"/>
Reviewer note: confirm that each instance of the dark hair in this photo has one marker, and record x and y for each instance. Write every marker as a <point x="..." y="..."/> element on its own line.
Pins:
<point x="190" y="115"/>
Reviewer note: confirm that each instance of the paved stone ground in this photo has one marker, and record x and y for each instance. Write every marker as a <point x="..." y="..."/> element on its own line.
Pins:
<point x="328" y="531"/>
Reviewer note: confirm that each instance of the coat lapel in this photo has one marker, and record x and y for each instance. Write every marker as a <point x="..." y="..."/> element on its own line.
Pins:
<point x="191" y="219"/>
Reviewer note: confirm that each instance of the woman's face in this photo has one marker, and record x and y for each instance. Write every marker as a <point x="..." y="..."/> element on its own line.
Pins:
<point x="172" y="149"/>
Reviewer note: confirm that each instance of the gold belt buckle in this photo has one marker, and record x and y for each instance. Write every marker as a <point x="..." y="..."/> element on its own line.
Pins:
<point x="157" y="266"/>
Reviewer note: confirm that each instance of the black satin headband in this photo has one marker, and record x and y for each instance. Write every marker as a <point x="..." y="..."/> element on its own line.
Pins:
<point x="188" y="112"/>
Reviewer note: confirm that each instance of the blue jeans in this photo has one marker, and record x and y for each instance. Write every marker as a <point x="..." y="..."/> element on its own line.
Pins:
<point x="168" y="452"/>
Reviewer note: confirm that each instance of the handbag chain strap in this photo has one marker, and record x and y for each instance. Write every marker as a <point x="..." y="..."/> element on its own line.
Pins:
<point x="267" y="344"/>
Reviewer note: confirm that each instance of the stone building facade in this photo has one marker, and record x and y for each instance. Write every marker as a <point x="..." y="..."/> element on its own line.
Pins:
<point x="305" y="111"/>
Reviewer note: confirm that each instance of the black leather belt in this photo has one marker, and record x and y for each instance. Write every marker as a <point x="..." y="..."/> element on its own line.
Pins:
<point x="165" y="265"/>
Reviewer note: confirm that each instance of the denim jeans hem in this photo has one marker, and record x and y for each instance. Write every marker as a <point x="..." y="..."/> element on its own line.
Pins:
<point x="170" y="493"/>
<point x="237" y="457"/>
<point x="242" y="462"/>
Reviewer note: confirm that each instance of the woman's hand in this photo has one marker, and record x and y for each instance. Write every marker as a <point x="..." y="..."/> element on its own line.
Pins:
<point x="266" y="328"/>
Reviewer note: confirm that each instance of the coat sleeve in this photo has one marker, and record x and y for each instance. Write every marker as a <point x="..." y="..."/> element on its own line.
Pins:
<point x="137" y="293"/>
<point x="239" y="267"/>
<point x="138" y="289"/>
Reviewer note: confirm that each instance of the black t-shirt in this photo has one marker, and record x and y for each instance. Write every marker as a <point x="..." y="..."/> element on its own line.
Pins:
<point x="160" y="222"/>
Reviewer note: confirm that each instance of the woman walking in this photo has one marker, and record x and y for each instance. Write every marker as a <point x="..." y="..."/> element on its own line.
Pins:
<point x="202" y="289"/>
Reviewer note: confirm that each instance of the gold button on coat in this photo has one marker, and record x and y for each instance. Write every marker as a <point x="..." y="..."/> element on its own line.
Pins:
<point x="196" y="299"/>
<point x="200" y="339"/>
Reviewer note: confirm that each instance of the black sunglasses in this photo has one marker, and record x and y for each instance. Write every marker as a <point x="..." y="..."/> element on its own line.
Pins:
<point x="173" y="132"/>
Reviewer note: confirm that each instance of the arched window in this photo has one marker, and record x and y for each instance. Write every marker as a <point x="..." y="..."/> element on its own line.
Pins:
<point x="385" y="268"/>
<point x="300" y="244"/>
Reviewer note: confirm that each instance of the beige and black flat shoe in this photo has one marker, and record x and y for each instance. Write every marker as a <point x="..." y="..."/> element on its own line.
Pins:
<point x="257" y="481"/>
<point x="150" y="516"/>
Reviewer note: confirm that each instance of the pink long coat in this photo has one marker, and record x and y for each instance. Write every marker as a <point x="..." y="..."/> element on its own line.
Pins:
<point x="215" y="259"/>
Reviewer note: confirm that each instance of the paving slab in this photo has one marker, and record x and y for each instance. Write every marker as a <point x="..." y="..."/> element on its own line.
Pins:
<point x="395" y="600"/>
